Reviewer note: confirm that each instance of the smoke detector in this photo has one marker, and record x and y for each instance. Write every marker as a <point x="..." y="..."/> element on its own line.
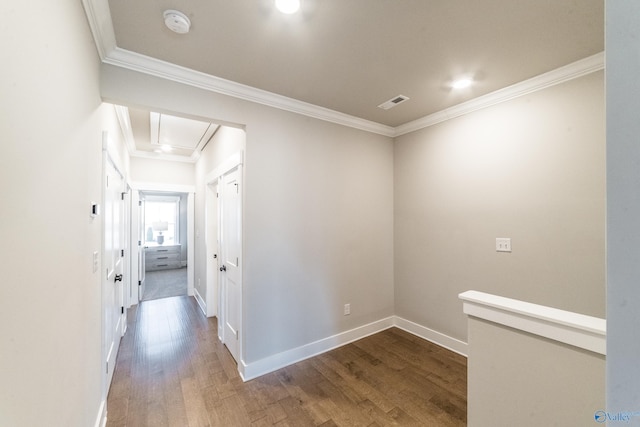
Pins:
<point x="177" y="21"/>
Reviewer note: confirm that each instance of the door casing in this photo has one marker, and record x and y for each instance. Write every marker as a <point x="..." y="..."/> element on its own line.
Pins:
<point x="114" y="236"/>
<point x="216" y="178"/>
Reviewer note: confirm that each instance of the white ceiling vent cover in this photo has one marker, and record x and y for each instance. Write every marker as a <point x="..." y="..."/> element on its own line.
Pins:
<point x="393" y="102"/>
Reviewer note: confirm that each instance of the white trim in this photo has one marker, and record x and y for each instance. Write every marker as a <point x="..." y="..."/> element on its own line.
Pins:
<point x="435" y="337"/>
<point x="200" y="301"/>
<point x="164" y="156"/>
<point x="575" y="329"/>
<point x="165" y="188"/>
<point x="155" y="67"/>
<point x="101" y="420"/>
<point x="191" y="243"/>
<point x="289" y="357"/>
<point x="99" y="18"/>
<point x="560" y="75"/>
<point x="124" y="119"/>
<point x="231" y="162"/>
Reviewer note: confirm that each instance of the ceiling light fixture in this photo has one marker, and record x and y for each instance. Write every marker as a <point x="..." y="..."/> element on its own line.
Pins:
<point x="462" y="83"/>
<point x="166" y="148"/>
<point x="177" y="21"/>
<point x="288" y="6"/>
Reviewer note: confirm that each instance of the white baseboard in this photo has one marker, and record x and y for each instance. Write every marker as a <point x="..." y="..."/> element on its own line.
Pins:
<point x="200" y="301"/>
<point x="435" y="337"/>
<point x="289" y="357"/>
<point x="101" y="420"/>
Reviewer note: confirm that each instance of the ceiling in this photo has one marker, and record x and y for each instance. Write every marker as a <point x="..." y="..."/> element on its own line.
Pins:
<point x="349" y="56"/>
<point x="168" y="136"/>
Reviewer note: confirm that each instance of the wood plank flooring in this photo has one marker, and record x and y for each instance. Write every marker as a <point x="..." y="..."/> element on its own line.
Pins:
<point x="173" y="371"/>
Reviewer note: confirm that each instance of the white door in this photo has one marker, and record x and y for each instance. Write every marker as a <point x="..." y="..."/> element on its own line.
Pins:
<point x="113" y="267"/>
<point x="231" y="248"/>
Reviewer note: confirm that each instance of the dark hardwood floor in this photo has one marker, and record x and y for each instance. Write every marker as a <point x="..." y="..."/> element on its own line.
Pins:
<point x="173" y="371"/>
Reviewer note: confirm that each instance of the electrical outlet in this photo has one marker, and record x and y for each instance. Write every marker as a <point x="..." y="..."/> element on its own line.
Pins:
<point x="347" y="309"/>
<point x="503" y="244"/>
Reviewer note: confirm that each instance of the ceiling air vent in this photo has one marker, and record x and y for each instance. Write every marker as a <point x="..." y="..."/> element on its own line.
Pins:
<point x="393" y="102"/>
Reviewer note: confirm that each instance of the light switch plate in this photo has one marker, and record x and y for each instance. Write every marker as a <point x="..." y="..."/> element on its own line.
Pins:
<point x="95" y="261"/>
<point x="503" y="244"/>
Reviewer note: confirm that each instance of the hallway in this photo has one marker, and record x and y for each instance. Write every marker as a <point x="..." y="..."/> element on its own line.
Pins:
<point x="173" y="371"/>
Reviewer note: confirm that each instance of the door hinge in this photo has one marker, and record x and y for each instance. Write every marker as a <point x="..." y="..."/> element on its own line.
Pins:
<point x="139" y="242"/>
<point x="122" y="195"/>
<point x="121" y="310"/>
<point x="107" y="367"/>
<point x="139" y="202"/>
<point x="121" y="252"/>
<point x="139" y="282"/>
<point x="217" y="195"/>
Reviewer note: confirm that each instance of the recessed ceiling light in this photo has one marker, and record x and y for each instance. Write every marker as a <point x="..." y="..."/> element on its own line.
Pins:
<point x="177" y="21"/>
<point x="288" y="6"/>
<point x="462" y="83"/>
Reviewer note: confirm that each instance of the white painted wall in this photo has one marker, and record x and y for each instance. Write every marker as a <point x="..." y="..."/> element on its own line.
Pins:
<point x="531" y="169"/>
<point x="520" y="379"/>
<point x="623" y="207"/>
<point x="51" y="127"/>
<point x="158" y="171"/>
<point x="318" y="214"/>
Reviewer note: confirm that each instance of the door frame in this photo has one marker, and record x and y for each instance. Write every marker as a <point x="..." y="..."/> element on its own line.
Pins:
<point x="171" y="188"/>
<point x="212" y="250"/>
<point x="109" y="156"/>
<point x="236" y="160"/>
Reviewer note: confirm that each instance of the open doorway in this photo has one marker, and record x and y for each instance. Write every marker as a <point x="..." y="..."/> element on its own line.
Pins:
<point x="164" y="233"/>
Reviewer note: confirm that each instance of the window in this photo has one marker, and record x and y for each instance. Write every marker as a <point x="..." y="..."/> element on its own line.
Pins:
<point x="161" y="219"/>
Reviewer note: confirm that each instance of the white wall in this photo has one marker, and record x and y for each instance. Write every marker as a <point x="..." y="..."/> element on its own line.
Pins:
<point x="531" y="169"/>
<point x="318" y="214"/>
<point x="623" y="207"/>
<point x="520" y="379"/>
<point x="51" y="126"/>
<point x="156" y="171"/>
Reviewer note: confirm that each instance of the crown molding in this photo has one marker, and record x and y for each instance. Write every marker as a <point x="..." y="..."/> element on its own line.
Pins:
<point x="571" y="71"/>
<point x="155" y="67"/>
<point x="99" y="18"/>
